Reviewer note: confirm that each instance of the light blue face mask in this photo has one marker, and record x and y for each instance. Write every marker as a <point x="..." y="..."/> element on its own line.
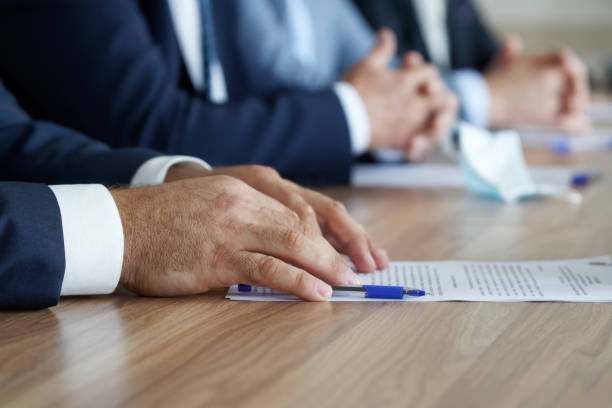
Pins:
<point x="493" y="166"/>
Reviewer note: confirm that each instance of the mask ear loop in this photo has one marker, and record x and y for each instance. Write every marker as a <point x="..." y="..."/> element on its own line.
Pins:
<point x="450" y="144"/>
<point x="560" y="192"/>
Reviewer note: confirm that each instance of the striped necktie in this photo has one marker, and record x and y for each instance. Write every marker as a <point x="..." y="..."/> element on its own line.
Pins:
<point x="208" y="44"/>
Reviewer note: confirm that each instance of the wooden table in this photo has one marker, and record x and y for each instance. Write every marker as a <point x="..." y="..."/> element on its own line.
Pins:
<point x="207" y="351"/>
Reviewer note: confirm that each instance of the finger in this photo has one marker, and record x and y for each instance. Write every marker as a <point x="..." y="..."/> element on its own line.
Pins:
<point x="384" y="49"/>
<point x="573" y="66"/>
<point x="264" y="270"/>
<point x="574" y="102"/>
<point x="304" y="210"/>
<point x="313" y="253"/>
<point x="578" y="82"/>
<point x="441" y="127"/>
<point x="380" y="257"/>
<point x="348" y="235"/>
<point x="509" y="51"/>
<point x="288" y="193"/>
<point x="549" y="110"/>
<point x="267" y="180"/>
<point x="550" y="59"/>
<point x="419" y="146"/>
<point x="432" y="88"/>
<point x="356" y="231"/>
<point x="577" y="124"/>
<point x="443" y="107"/>
<point x="411" y="59"/>
<point x="421" y="75"/>
<point x="333" y="242"/>
<point x="446" y="115"/>
<point x="256" y="209"/>
<point x="553" y="80"/>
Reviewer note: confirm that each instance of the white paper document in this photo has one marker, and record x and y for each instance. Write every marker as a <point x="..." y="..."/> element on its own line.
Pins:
<point x="573" y="280"/>
<point x="441" y="175"/>
<point x="557" y="142"/>
<point x="601" y="111"/>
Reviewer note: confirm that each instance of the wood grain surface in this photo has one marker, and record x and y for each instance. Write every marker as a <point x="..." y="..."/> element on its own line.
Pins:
<point x="123" y="350"/>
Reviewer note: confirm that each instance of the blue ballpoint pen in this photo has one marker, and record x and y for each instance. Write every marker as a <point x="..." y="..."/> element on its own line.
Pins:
<point x="583" y="178"/>
<point x="370" y="291"/>
<point x="382" y="292"/>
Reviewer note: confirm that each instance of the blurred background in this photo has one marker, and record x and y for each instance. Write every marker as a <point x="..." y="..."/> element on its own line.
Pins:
<point x="584" y="25"/>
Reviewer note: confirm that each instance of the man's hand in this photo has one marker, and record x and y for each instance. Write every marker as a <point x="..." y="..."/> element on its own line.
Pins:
<point x="404" y="103"/>
<point x="313" y="208"/>
<point x="545" y="90"/>
<point x="188" y="236"/>
<point x="442" y="118"/>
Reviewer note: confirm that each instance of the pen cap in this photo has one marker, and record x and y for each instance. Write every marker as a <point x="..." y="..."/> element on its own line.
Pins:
<point x="384" y="292"/>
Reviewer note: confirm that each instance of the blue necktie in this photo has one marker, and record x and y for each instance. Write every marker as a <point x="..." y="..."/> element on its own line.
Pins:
<point x="208" y="44"/>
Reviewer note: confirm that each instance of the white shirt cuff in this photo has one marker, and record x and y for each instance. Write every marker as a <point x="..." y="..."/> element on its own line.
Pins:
<point x="473" y="93"/>
<point x="154" y="170"/>
<point x="356" y="116"/>
<point x="93" y="239"/>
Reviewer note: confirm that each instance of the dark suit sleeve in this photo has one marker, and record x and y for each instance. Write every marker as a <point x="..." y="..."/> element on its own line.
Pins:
<point x="473" y="44"/>
<point x="42" y="152"/>
<point x="31" y="247"/>
<point x="32" y="257"/>
<point x="98" y="66"/>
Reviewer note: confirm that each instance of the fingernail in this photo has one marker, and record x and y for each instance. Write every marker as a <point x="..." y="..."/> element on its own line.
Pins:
<point x="371" y="261"/>
<point x="352" y="278"/>
<point x="324" y="290"/>
<point x="383" y="254"/>
<point x="310" y="210"/>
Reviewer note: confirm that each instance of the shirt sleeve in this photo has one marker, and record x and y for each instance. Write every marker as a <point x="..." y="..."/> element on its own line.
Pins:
<point x="93" y="239"/>
<point x="356" y="117"/>
<point x="93" y="234"/>
<point x="473" y="92"/>
<point x="154" y="170"/>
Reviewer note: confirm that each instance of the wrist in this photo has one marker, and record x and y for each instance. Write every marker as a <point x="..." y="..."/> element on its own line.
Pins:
<point x="181" y="171"/>
<point x="498" y="112"/>
<point x="124" y="199"/>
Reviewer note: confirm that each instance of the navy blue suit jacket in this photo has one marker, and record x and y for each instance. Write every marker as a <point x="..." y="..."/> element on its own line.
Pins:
<point x="113" y="69"/>
<point x="471" y="43"/>
<point x="32" y="155"/>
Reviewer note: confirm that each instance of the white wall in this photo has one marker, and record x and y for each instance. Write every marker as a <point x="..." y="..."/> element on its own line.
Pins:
<point x="584" y="25"/>
<point x="581" y="13"/>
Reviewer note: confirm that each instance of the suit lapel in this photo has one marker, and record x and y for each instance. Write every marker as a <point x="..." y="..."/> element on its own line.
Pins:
<point x="411" y="29"/>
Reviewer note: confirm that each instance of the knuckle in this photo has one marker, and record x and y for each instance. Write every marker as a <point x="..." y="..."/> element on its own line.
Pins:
<point x="230" y="183"/>
<point x="253" y="272"/>
<point x="229" y="202"/>
<point x="232" y="194"/>
<point x="264" y="171"/>
<point x="295" y="198"/>
<point x="268" y="269"/>
<point x="293" y="240"/>
<point x="335" y="260"/>
<point x="357" y="241"/>
<point x="302" y="282"/>
<point x="310" y="228"/>
<point x="291" y="219"/>
<point x="335" y="207"/>
<point x="299" y="203"/>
